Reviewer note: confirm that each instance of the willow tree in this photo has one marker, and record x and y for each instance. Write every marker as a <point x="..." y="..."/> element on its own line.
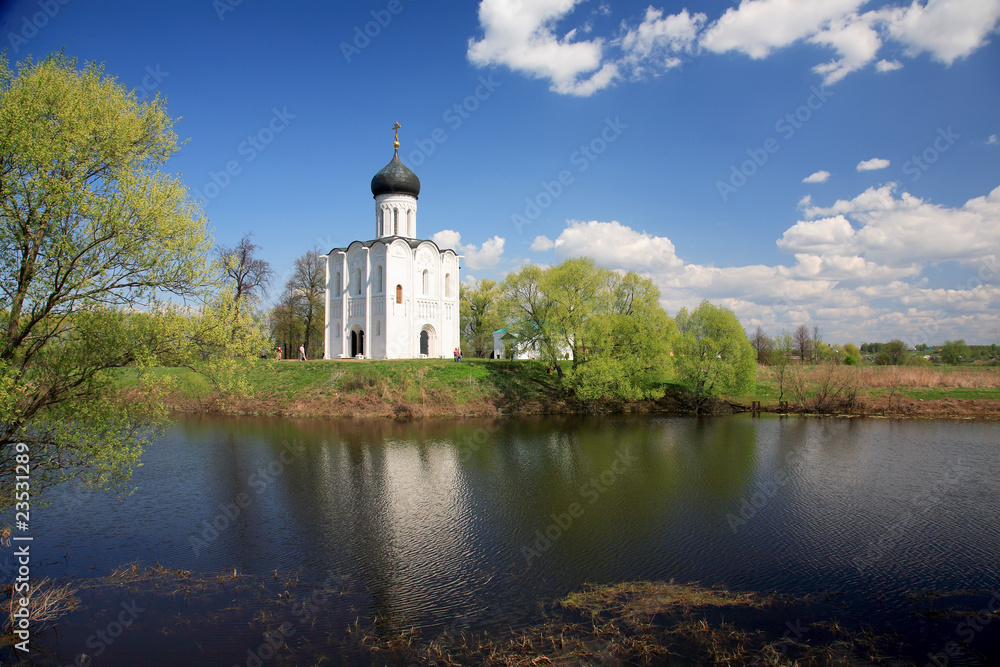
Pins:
<point x="94" y="240"/>
<point x="714" y="355"/>
<point x="629" y="338"/>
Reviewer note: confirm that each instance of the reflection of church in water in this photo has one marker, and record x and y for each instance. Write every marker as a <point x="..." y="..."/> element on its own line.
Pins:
<point x="396" y="296"/>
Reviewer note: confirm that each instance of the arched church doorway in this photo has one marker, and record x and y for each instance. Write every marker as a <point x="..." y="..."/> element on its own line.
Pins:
<point x="429" y="341"/>
<point x="357" y="342"/>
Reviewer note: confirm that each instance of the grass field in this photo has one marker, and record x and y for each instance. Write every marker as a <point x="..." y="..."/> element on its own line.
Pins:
<point x="876" y="389"/>
<point x="478" y="387"/>
<point x="411" y="387"/>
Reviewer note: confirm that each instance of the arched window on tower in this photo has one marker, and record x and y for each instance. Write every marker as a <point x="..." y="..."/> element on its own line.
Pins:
<point x="395" y="221"/>
<point x="426" y="282"/>
<point x="399" y="294"/>
<point x="447" y="285"/>
<point x="358" y="279"/>
<point x="339" y="288"/>
<point x="378" y="279"/>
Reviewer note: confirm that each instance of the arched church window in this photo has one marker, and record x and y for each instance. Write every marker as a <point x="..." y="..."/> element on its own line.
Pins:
<point x="426" y="282"/>
<point x="395" y="221"/>
<point x="358" y="280"/>
<point x="378" y="279"/>
<point x="339" y="289"/>
<point x="447" y="285"/>
<point x="399" y="294"/>
<point x="378" y="327"/>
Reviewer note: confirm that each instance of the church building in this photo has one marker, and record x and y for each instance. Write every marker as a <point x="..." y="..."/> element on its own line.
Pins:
<point x="395" y="296"/>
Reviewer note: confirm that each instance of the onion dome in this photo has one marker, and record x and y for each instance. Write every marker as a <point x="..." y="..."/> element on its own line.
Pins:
<point x="395" y="177"/>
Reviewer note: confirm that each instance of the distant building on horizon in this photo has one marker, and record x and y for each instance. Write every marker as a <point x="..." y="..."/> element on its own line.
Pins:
<point x="395" y="296"/>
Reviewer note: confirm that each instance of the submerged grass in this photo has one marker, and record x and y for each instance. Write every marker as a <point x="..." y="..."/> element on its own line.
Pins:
<point x="642" y="623"/>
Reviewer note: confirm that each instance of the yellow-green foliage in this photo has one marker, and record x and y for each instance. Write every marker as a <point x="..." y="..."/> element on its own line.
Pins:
<point x="97" y="243"/>
<point x="714" y="356"/>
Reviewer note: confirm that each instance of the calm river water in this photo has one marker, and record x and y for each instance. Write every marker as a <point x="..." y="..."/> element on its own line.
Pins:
<point x="476" y="525"/>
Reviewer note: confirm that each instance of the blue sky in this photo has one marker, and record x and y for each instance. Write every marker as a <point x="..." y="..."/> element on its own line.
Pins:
<point x="827" y="162"/>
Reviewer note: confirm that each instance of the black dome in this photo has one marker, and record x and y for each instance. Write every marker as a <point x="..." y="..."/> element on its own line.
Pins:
<point x="395" y="177"/>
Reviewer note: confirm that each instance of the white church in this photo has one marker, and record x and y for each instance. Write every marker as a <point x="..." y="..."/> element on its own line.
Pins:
<point x="396" y="296"/>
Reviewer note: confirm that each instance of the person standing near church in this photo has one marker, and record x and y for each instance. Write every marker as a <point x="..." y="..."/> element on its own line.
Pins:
<point x="302" y="352"/>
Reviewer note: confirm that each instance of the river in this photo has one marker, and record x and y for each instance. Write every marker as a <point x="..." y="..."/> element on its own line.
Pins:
<point x="477" y="525"/>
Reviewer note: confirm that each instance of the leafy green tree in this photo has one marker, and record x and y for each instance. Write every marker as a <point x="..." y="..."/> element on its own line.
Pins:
<point x="714" y="356"/>
<point x="629" y="341"/>
<point x="954" y="352"/>
<point x="852" y="352"/>
<point x="480" y="309"/>
<point x="529" y="310"/>
<point x="893" y="353"/>
<point x="576" y="290"/>
<point x="92" y="232"/>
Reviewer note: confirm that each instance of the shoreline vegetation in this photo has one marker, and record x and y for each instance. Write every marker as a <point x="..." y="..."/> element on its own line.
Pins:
<point x="633" y="622"/>
<point x="433" y="388"/>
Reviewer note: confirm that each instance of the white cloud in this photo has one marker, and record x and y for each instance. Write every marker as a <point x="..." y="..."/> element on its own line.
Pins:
<point x="542" y="244"/>
<point x="855" y="41"/>
<point x="532" y="38"/>
<point x="873" y="164"/>
<point x="903" y="231"/>
<point x="615" y="246"/>
<point x="757" y="27"/>
<point x="947" y="29"/>
<point x="656" y="41"/>
<point x="821" y="176"/>
<point x="993" y="140"/>
<point x="818" y="236"/>
<point x="486" y="256"/>
<point x="521" y="35"/>
<point x="888" y="65"/>
<point x="857" y="270"/>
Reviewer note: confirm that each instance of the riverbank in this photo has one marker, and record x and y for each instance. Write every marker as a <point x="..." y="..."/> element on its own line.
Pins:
<point x="409" y="389"/>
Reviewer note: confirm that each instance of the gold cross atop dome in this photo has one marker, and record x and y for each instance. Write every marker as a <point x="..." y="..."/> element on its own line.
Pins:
<point x="396" y="126"/>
